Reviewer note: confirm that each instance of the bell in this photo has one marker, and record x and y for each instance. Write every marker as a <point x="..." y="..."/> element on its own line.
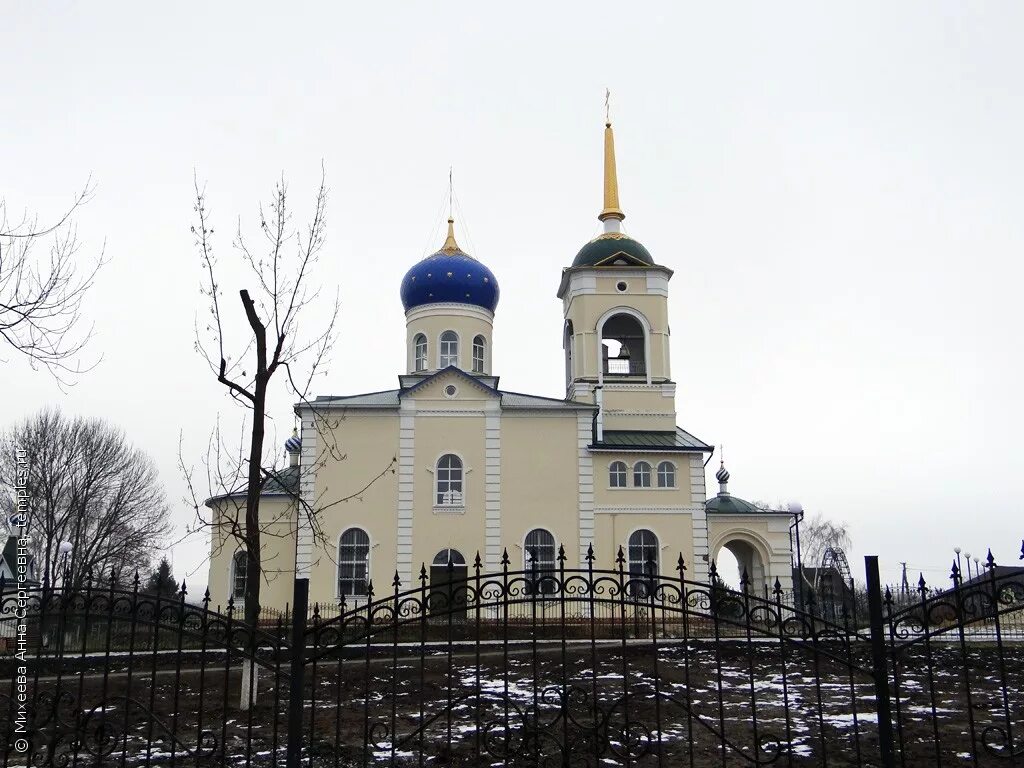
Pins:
<point x="624" y="352"/>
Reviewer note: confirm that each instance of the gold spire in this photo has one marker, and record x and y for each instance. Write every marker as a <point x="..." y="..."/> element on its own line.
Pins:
<point x="450" y="246"/>
<point x="611" y="181"/>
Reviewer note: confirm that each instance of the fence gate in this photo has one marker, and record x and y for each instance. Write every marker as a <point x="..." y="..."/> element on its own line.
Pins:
<point x="554" y="667"/>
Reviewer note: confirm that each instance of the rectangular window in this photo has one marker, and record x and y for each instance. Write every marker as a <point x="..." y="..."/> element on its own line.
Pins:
<point x="449" y="349"/>
<point x="353" y="557"/>
<point x="352" y="578"/>
<point x="241" y="565"/>
<point x="540" y="562"/>
<point x="449" y="485"/>
<point x="642" y="475"/>
<point x="478" y="358"/>
<point x="421" y="353"/>
<point x="666" y="475"/>
<point x="617" y="475"/>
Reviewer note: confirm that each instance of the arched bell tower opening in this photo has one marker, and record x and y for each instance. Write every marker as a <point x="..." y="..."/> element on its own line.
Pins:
<point x="623" y="347"/>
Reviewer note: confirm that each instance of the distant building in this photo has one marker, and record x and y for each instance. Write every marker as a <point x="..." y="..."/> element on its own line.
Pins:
<point x="9" y="565"/>
<point x="480" y="469"/>
<point x="824" y="592"/>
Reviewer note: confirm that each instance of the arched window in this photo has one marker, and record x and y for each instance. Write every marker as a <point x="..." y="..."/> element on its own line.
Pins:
<point x="539" y="557"/>
<point x="449" y="349"/>
<point x="449" y="481"/>
<point x="420" y="352"/>
<point x="447" y="557"/>
<point x="353" y="563"/>
<point x="642" y="475"/>
<point x="666" y="475"/>
<point x="643" y="562"/>
<point x="617" y="474"/>
<point x="239" y="569"/>
<point x="479" y="346"/>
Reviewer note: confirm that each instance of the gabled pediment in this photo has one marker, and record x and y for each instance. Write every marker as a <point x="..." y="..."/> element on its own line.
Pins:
<point x="621" y="259"/>
<point x="450" y="384"/>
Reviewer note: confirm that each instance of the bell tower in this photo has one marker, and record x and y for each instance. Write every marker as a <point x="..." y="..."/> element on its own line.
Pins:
<point x="616" y="334"/>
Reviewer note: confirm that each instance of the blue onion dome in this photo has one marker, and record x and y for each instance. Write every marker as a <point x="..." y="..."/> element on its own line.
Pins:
<point x="613" y="249"/>
<point x="293" y="444"/>
<point x="450" y="275"/>
<point x="722" y="475"/>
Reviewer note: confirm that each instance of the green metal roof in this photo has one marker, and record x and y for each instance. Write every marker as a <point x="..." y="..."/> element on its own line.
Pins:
<point x="284" y="482"/>
<point x="650" y="440"/>
<point x="606" y="249"/>
<point x="727" y="504"/>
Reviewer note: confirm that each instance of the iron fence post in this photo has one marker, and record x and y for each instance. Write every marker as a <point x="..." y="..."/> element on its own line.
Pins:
<point x="301" y="602"/>
<point x="879" y="662"/>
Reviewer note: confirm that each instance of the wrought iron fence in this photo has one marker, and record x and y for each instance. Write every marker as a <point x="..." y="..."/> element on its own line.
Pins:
<point x="576" y="666"/>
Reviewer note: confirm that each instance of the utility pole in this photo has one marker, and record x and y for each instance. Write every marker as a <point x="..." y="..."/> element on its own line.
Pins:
<point x="904" y="584"/>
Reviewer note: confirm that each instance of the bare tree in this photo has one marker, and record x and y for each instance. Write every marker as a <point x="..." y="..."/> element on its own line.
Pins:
<point x="280" y="273"/>
<point x="245" y="350"/>
<point x="88" y="486"/>
<point x="817" y="536"/>
<point x="41" y="290"/>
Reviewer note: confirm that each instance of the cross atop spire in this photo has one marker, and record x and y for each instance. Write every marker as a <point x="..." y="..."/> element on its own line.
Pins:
<point x="612" y="214"/>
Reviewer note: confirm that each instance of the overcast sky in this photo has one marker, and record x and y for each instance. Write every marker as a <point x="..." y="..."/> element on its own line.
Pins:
<point x="837" y="189"/>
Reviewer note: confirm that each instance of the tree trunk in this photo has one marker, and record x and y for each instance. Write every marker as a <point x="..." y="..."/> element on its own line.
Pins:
<point x="253" y="575"/>
<point x="250" y="684"/>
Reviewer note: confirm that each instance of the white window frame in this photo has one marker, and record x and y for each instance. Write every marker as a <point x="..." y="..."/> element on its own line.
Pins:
<point x="639" y="474"/>
<point x="353" y="596"/>
<point x="455" y="499"/>
<point x="445" y="359"/>
<point x="613" y="470"/>
<point x="661" y="474"/>
<point x="419" y="361"/>
<point x="479" y="361"/>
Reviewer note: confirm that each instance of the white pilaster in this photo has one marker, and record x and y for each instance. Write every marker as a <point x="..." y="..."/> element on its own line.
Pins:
<point x="492" y="487"/>
<point x="406" y="470"/>
<point x="586" y="484"/>
<point x="698" y="569"/>
<point x="307" y="496"/>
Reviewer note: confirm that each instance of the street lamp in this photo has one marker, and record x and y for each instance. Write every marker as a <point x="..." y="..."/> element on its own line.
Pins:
<point x="959" y="566"/>
<point x="968" y="556"/>
<point x="796" y="509"/>
<point x="64" y="550"/>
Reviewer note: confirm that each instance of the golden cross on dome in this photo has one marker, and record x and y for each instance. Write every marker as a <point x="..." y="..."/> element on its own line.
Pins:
<point x="607" y="106"/>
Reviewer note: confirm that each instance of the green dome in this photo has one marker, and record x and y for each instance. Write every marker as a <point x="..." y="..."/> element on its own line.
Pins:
<point x="725" y="504"/>
<point x="605" y="250"/>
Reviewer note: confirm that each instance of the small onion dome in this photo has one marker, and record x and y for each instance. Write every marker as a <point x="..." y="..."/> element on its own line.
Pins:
<point x="450" y="275"/>
<point x="293" y="444"/>
<point x="610" y="249"/>
<point x="722" y="475"/>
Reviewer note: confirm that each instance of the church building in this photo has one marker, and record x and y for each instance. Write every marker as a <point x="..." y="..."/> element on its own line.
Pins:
<point x="481" y="470"/>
